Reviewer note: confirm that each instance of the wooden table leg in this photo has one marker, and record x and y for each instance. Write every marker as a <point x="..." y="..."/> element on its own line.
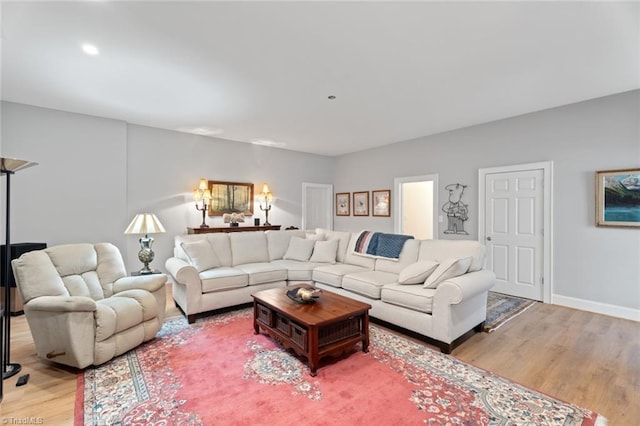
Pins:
<point x="365" y="326"/>
<point x="256" y="327"/>
<point x="313" y="350"/>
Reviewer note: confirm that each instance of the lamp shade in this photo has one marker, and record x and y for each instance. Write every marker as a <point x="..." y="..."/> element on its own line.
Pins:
<point x="13" y="165"/>
<point x="145" y="223"/>
<point x="203" y="184"/>
<point x="265" y="189"/>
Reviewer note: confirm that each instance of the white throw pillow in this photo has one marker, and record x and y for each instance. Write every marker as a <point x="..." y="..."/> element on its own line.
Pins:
<point x="417" y="273"/>
<point x="315" y="237"/>
<point x="201" y="254"/>
<point x="325" y="251"/>
<point x="299" y="249"/>
<point x="448" y="268"/>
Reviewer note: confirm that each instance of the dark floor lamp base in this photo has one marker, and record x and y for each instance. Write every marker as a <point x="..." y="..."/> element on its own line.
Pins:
<point x="11" y="370"/>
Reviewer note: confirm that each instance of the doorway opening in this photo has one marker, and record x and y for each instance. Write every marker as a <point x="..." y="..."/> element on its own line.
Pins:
<point x="415" y="206"/>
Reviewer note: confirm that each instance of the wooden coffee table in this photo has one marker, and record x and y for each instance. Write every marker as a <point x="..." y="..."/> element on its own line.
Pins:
<point x="329" y="326"/>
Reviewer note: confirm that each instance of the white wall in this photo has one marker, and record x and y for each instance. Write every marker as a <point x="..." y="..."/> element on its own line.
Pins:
<point x="76" y="193"/>
<point x="95" y="174"/>
<point x="592" y="264"/>
<point x="164" y="168"/>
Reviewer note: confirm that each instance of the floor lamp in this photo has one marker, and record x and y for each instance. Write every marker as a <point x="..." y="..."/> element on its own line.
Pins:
<point x="8" y="166"/>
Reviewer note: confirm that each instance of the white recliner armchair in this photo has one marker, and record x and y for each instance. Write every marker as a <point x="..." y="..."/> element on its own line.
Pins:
<point x="81" y="306"/>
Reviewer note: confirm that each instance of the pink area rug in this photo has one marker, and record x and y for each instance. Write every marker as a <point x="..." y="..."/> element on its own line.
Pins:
<point x="217" y="372"/>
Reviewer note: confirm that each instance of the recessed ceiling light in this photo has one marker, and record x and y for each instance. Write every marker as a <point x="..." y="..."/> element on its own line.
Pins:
<point x="90" y="49"/>
<point x="203" y="131"/>
<point x="266" y="142"/>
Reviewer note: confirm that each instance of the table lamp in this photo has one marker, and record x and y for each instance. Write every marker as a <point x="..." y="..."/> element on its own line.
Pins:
<point x="145" y="223"/>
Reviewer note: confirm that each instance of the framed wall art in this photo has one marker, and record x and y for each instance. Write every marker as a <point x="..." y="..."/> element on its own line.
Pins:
<point x="343" y="204"/>
<point x="361" y="203"/>
<point x="381" y="202"/>
<point x="618" y="198"/>
<point x="230" y="197"/>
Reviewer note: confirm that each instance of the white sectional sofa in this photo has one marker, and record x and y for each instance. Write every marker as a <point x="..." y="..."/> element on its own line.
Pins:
<point x="213" y="271"/>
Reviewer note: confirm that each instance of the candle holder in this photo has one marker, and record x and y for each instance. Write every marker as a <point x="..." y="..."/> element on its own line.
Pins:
<point x="266" y="194"/>
<point x="202" y="197"/>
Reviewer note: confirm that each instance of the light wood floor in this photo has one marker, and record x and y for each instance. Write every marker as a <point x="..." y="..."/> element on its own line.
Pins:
<point x="588" y="359"/>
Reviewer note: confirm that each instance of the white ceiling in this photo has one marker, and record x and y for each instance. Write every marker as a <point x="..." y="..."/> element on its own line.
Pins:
<point x="264" y="70"/>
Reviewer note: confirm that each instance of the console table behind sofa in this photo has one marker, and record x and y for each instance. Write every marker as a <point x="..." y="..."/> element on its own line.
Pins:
<point x="240" y="228"/>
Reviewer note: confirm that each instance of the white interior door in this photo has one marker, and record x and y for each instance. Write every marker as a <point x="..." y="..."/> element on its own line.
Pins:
<point x="317" y="206"/>
<point x="514" y="204"/>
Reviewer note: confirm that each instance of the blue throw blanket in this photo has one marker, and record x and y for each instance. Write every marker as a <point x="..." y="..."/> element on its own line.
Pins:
<point x="380" y="244"/>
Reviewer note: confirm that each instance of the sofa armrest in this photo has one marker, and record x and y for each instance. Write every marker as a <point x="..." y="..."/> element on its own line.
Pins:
<point x="182" y="272"/>
<point x="61" y="304"/>
<point x="460" y="303"/>
<point x="151" y="283"/>
<point x="455" y="290"/>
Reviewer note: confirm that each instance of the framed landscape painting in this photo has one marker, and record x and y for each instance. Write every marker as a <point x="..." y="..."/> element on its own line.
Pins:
<point x="230" y="197"/>
<point x="343" y="204"/>
<point x="381" y="201"/>
<point x="618" y="198"/>
<point x="361" y="203"/>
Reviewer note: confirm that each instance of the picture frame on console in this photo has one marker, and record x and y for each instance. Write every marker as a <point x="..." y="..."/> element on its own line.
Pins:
<point x="343" y="204"/>
<point x="361" y="203"/>
<point x="230" y="197"/>
<point x="381" y="201"/>
<point x="618" y="198"/>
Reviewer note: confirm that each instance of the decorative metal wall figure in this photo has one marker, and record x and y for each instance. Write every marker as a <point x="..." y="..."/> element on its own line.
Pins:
<point x="457" y="211"/>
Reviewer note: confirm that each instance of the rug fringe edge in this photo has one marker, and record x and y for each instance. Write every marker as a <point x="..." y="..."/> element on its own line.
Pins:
<point x="506" y="320"/>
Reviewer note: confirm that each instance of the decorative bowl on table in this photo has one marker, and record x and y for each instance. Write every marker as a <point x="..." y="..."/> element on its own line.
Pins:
<point x="304" y="295"/>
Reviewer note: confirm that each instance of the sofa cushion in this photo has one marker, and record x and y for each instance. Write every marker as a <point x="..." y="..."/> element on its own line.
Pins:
<point x="248" y="247"/>
<point x="343" y="241"/>
<point x="278" y="242"/>
<point x="412" y="297"/>
<point x="222" y="247"/>
<point x="408" y="255"/>
<point x="260" y="273"/>
<point x="116" y="314"/>
<point x="299" y="249"/>
<point x="297" y="271"/>
<point x="368" y="283"/>
<point x="201" y="254"/>
<point x="448" y="268"/>
<point x="440" y="250"/>
<point x="73" y="259"/>
<point x="325" y="251"/>
<point x="87" y="284"/>
<point x="417" y="273"/>
<point x="332" y="274"/>
<point x="355" y="259"/>
<point x="315" y="237"/>
<point x="36" y="276"/>
<point x="223" y="278"/>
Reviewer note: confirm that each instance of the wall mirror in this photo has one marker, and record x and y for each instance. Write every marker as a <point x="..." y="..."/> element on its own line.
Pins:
<point x="230" y="197"/>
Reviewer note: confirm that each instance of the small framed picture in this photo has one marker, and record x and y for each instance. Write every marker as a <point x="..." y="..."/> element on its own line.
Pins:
<point x="343" y="206"/>
<point x="361" y="203"/>
<point x="618" y="198"/>
<point x="381" y="201"/>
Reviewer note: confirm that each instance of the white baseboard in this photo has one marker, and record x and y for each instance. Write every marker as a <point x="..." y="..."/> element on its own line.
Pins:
<point x="597" y="307"/>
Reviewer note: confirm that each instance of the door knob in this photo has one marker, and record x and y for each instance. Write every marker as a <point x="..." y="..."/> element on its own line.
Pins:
<point x="488" y="238"/>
